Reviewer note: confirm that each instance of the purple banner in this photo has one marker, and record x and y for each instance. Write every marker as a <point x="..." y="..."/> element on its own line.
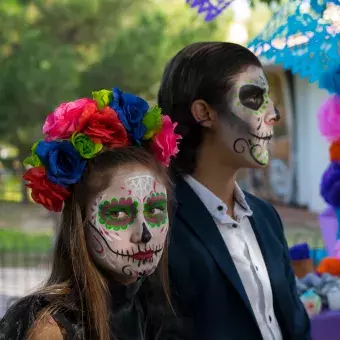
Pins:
<point x="209" y="8"/>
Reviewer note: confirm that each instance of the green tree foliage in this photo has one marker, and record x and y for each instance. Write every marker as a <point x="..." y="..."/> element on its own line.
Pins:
<point x="136" y="58"/>
<point x="58" y="50"/>
<point x="44" y="47"/>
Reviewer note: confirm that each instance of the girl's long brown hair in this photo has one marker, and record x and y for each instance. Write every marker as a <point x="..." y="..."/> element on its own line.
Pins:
<point x="76" y="284"/>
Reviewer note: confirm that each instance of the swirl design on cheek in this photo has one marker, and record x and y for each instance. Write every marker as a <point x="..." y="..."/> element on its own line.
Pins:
<point x="128" y="271"/>
<point x="255" y="150"/>
<point x="240" y="145"/>
<point x="99" y="249"/>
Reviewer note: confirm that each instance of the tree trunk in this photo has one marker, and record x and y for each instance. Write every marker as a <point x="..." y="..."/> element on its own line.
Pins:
<point x="24" y="193"/>
<point x="21" y="169"/>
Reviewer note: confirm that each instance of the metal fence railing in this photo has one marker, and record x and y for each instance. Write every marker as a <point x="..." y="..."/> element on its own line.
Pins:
<point x="10" y="185"/>
<point x="20" y="273"/>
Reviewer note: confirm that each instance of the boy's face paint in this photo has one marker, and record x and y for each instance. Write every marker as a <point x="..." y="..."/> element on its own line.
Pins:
<point x="249" y="128"/>
<point x="128" y="224"/>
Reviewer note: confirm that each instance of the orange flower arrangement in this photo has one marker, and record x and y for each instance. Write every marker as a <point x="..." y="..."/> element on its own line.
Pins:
<point x="334" y="151"/>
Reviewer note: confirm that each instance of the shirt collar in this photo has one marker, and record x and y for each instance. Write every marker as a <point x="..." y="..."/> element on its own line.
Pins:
<point x="216" y="207"/>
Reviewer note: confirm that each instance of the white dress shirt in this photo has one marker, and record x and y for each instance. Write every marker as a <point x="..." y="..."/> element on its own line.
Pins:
<point x="244" y="249"/>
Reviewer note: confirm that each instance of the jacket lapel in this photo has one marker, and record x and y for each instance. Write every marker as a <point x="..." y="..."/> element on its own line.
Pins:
<point x="272" y="250"/>
<point x="193" y="212"/>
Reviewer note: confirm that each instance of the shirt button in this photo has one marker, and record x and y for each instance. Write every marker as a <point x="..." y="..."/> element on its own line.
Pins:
<point x="234" y="225"/>
<point x="257" y="268"/>
<point x="220" y="208"/>
<point x="270" y="318"/>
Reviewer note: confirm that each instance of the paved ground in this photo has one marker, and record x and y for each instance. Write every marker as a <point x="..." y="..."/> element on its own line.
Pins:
<point x="299" y="218"/>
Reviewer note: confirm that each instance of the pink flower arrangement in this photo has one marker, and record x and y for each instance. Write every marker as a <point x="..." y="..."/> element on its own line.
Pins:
<point x="63" y="121"/>
<point x="165" y="142"/>
<point x="329" y="117"/>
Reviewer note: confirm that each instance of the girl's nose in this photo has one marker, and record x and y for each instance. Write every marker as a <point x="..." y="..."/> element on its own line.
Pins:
<point x="141" y="235"/>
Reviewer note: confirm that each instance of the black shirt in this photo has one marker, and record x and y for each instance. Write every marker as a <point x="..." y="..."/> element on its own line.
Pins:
<point x="138" y="312"/>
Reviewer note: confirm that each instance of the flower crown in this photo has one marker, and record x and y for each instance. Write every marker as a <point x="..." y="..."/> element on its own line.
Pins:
<point x="77" y="131"/>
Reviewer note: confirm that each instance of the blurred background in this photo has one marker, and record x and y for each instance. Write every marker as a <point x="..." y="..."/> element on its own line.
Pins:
<point x="59" y="50"/>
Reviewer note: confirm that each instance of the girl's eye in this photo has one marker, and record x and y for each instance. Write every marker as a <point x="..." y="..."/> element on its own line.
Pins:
<point x="119" y="215"/>
<point x="155" y="211"/>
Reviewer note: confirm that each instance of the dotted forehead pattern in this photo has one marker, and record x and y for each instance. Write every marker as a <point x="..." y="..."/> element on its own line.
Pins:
<point x="140" y="186"/>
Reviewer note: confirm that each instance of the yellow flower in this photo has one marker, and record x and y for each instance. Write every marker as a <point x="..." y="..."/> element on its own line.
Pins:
<point x="152" y="121"/>
<point x="85" y="146"/>
<point x="102" y="97"/>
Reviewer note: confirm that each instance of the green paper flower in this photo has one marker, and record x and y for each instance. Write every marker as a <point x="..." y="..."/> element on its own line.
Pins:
<point x="152" y="121"/>
<point x="33" y="160"/>
<point x="85" y="146"/>
<point x="102" y="97"/>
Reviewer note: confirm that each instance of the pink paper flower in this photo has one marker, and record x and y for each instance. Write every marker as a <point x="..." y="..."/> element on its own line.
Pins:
<point x="62" y="122"/>
<point x="329" y="118"/>
<point x="165" y="142"/>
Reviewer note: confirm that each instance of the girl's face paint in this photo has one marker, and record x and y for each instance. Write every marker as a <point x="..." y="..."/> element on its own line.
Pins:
<point x="128" y="224"/>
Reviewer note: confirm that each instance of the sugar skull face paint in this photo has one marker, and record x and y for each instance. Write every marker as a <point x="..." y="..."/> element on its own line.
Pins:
<point x="251" y="127"/>
<point x="128" y="224"/>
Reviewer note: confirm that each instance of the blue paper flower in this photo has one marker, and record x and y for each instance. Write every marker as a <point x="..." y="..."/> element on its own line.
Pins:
<point x="131" y="111"/>
<point x="330" y="80"/>
<point x="330" y="185"/>
<point x="64" y="165"/>
<point x="299" y="252"/>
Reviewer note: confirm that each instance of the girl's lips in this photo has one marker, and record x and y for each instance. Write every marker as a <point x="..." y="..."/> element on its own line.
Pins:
<point x="143" y="255"/>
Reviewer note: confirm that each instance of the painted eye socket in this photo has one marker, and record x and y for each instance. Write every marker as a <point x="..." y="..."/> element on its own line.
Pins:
<point x="155" y="210"/>
<point x="256" y="99"/>
<point x="117" y="214"/>
<point x="251" y="96"/>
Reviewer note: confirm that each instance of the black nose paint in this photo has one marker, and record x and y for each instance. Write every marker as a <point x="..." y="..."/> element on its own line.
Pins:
<point x="146" y="236"/>
<point x="277" y="114"/>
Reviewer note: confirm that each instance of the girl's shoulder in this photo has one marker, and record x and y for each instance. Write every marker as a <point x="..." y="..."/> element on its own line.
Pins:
<point x="22" y="315"/>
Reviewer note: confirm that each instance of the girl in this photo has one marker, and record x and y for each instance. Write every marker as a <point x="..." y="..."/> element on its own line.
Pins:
<point x="101" y="163"/>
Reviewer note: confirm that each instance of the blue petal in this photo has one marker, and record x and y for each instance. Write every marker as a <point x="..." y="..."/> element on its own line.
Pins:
<point x="53" y="153"/>
<point x="117" y="104"/>
<point x="140" y="105"/>
<point x="43" y="149"/>
<point x="138" y="131"/>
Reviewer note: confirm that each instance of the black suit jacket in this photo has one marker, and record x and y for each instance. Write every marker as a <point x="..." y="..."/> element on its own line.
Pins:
<point x="205" y="284"/>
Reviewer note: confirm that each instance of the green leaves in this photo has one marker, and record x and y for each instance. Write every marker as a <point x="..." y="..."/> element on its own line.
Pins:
<point x="33" y="160"/>
<point x="152" y="121"/>
<point x="102" y="97"/>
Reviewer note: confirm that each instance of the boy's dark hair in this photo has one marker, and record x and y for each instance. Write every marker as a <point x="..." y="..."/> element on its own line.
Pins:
<point x="199" y="71"/>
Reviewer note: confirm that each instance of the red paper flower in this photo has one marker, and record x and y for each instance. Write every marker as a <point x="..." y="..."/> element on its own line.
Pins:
<point x="48" y="194"/>
<point x="103" y="127"/>
<point x="165" y="142"/>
